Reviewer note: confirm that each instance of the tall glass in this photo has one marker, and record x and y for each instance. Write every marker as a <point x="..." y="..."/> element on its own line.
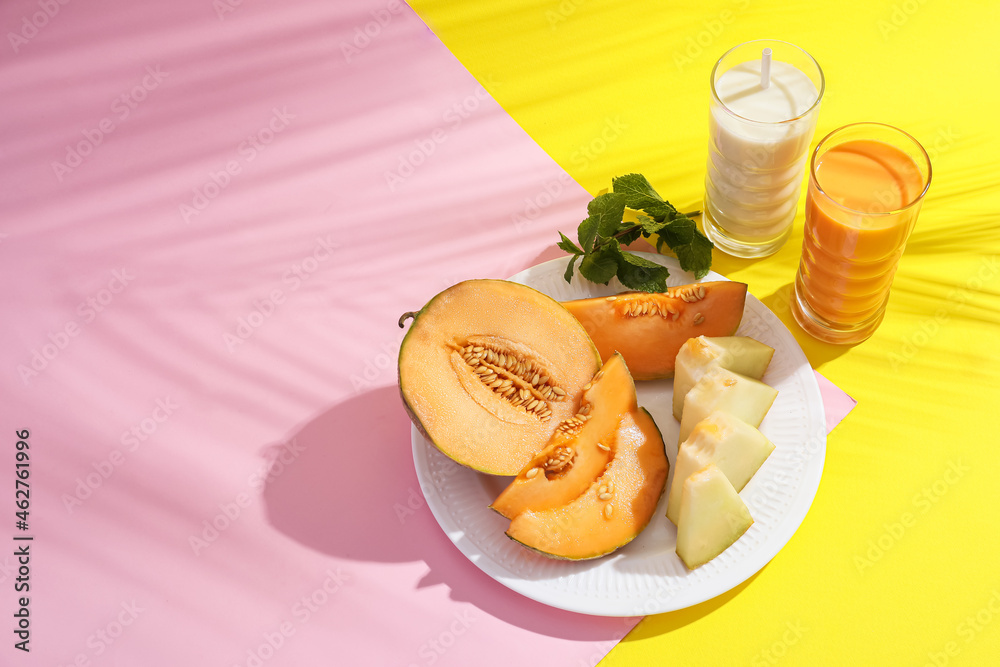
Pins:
<point x="866" y="184"/>
<point x="760" y="126"/>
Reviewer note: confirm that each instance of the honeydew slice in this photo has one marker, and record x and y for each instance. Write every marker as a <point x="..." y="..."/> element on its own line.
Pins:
<point x="712" y="517"/>
<point x="734" y="446"/>
<point x="739" y="354"/>
<point x="721" y="389"/>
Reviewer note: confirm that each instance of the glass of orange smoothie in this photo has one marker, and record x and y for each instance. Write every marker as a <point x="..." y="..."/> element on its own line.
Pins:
<point x="866" y="184"/>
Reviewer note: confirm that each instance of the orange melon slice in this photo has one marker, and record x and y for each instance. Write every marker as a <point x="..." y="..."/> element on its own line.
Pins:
<point x="649" y="329"/>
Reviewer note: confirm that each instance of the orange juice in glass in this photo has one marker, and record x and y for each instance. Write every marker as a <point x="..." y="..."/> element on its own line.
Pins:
<point x="866" y="184"/>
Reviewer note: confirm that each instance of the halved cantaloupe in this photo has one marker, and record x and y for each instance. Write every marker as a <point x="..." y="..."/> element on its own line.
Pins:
<point x="489" y="368"/>
<point x="615" y="506"/>
<point x="649" y="329"/>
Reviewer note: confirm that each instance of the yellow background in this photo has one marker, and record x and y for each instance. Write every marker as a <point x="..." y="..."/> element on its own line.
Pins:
<point x="898" y="561"/>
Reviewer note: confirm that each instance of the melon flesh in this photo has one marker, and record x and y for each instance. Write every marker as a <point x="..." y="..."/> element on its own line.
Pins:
<point x="721" y="389"/>
<point x="735" y="447"/>
<point x="649" y="329"/>
<point x="585" y="527"/>
<point x="712" y="517"/>
<point x="611" y="395"/>
<point x="739" y="354"/>
<point x="448" y="401"/>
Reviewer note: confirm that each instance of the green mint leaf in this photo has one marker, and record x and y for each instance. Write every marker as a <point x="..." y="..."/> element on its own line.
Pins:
<point x="660" y="211"/>
<point x="649" y="226"/>
<point x="637" y="190"/>
<point x="601" y="265"/>
<point x="638" y="273"/>
<point x="586" y="234"/>
<point x="568" y="246"/>
<point x="569" y="268"/>
<point x="603" y="232"/>
<point x="633" y="233"/>
<point x="693" y="249"/>
<point x="608" y="210"/>
<point x="640" y="196"/>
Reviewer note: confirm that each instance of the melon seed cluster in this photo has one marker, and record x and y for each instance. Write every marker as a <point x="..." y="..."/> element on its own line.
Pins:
<point x="571" y="425"/>
<point x="523" y="382"/>
<point x="561" y="458"/>
<point x="688" y="293"/>
<point x="636" y="305"/>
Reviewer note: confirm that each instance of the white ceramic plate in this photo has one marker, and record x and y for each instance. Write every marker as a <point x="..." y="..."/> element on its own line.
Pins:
<point x="646" y="576"/>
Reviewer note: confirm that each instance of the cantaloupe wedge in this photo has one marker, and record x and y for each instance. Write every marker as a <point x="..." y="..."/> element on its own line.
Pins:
<point x="589" y="439"/>
<point x="613" y="510"/>
<point x="649" y="329"/>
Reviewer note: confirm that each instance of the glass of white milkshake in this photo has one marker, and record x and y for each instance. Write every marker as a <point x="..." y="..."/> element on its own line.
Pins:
<point x="765" y="100"/>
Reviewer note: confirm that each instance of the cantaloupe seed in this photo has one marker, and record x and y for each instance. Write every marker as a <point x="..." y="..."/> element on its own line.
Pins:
<point x="521" y="381"/>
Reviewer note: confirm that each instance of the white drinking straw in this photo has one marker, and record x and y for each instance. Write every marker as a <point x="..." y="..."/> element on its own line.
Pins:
<point x="765" y="68"/>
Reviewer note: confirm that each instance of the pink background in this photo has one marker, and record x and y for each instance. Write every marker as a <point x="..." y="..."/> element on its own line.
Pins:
<point x="306" y="216"/>
<point x="208" y="285"/>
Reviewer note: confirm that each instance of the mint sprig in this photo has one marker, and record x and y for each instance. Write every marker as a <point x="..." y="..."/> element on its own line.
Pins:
<point x="603" y="233"/>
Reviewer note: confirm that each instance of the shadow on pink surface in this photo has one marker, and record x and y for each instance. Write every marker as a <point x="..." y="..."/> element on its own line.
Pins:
<point x="354" y="494"/>
<point x="174" y="193"/>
